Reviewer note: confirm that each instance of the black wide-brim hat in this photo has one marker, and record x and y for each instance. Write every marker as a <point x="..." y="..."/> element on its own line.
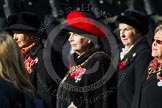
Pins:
<point x="135" y="19"/>
<point x="27" y="21"/>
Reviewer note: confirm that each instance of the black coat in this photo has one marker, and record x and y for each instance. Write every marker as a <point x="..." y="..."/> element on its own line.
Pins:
<point x="151" y="93"/>
<point x="96" y="63"/>
<point x="132" y="75"/>
<point x="42" y="81"/>
<point x="9" y="95"/>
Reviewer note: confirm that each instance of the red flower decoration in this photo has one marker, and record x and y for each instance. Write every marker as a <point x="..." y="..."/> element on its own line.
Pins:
<point x="78" y="71"/>
<point x="122" y="64"/>
<point x="28" y="63"/>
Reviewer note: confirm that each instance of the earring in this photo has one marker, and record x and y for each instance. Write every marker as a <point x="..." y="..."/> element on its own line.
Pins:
<point x="89" y="41"/>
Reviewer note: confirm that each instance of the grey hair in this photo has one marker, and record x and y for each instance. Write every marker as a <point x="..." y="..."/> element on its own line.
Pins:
<point x="158" y="28"/>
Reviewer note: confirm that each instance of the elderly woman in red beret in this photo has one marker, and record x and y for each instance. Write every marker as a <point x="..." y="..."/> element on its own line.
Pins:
<point x="134" y="57"/>
<point x="88" y="83"/>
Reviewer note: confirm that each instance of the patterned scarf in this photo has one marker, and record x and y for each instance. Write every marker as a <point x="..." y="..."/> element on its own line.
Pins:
<point x="154" y="67"/>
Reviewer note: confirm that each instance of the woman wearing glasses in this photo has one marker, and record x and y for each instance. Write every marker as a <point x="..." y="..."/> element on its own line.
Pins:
<point x="151" y="90"/>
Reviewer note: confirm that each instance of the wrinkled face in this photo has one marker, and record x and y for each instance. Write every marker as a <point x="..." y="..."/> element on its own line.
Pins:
<point x="128" y="34"/>
<point x="79" y="43"/>
<point x="157" y="45"/>
<point x="23" y="38"/>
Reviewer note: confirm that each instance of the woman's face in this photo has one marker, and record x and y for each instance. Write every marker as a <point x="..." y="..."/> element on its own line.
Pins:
<point x="79" y="43"/>
<point x="23" y="38"/>
<point x="157" y="46"/>
<point x="128" y="34"/>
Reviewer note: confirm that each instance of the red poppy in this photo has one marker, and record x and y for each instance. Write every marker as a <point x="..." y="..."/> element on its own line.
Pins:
<point x="78" y="72"/>
<point x="122" y="64"/>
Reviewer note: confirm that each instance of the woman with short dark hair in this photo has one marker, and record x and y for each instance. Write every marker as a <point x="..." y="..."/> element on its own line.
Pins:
<point x="25" y="26"/>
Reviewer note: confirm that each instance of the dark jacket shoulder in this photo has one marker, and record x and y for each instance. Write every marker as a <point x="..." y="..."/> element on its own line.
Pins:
<point x="9" y="93"/>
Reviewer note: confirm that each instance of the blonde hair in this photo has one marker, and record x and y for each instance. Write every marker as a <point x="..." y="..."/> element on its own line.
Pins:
<point x="11" y="64"/>
<point x="158" y="28"/>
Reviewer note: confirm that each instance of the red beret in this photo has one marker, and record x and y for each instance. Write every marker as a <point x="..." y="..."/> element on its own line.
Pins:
<point x="80" y="23"/>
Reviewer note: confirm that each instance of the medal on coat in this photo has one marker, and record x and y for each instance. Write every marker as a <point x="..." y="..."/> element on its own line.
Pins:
<point x="29" y="62"/>
<point x="160" y="79"/>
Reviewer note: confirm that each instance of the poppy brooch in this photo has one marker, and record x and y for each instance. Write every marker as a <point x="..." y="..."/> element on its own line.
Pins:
<point x="122" y="64"/>
<point x="76" y="72"/>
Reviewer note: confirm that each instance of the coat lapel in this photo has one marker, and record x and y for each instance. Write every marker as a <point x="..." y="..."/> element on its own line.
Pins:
<point x="131" y="55"/>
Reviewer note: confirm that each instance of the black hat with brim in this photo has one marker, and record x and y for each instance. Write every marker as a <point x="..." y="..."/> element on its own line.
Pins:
<point x="22" y="27"/>
<point x="76" y="30"/>
<point x="27" y="21"/>
<point x="135" y="19"/>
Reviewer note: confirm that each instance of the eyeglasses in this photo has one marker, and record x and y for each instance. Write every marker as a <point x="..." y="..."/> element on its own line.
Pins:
<point x="158" y="41"/>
